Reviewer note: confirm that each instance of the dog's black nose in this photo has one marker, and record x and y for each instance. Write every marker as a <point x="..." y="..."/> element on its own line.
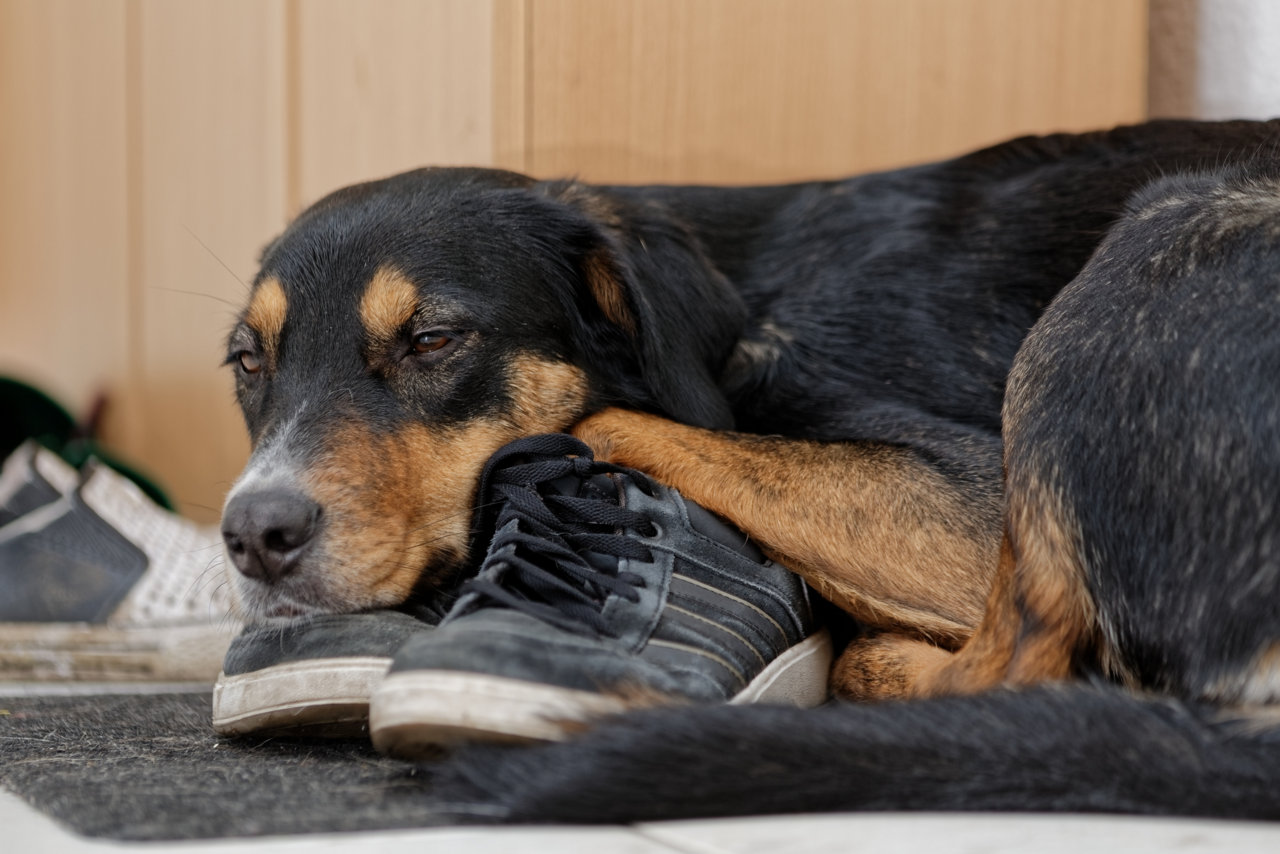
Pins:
<point x="268" y="532"/>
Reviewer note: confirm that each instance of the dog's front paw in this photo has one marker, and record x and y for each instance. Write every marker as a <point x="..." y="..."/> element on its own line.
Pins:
<point x="612" y="434"/>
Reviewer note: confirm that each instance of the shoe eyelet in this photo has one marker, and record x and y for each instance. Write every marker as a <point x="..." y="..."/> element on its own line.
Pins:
<point x="644" y="484"/>
<point x="655" y="531"/>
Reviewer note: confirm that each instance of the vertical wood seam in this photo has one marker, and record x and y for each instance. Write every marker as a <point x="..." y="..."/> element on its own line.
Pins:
<point x="293" y="109"/>
<point x="134" y="427"/>
<point x="1143" y="48"/>
<point x="526" y="56"/>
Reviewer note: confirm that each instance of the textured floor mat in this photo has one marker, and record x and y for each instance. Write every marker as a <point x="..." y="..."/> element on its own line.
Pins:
<point x="149" y="768"/>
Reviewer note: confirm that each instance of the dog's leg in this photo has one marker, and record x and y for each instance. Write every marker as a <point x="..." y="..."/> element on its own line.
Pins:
<point x="1039" y="617"/>
<point x="871" y="527"/>
<point x="885" y="666"/>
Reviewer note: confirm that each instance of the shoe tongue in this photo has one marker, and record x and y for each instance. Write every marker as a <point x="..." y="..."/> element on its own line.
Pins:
<point x="599" y="486"/>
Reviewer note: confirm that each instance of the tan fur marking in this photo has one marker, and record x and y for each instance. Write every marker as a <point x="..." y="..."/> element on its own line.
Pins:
<point x="605" y="286"/>
<point x="599" y="272"/>
<point x="985" y="659"/>
<point x="1058" y="613"/>
<point x="388" y="303"/>
<point x="884" y="667"/>
<point x="547" y="397"/>
<point x="1039" y="614"/>
<point x="881" y="536"/>
<point x="397" y="503"/>
<point x="266" y="313"/>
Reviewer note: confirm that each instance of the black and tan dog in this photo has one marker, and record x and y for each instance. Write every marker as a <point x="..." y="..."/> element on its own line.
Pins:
<point x="824" y="364"/>
<point x="1139" y="580"/>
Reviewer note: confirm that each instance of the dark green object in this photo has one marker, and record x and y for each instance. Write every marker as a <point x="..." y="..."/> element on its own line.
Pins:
<point x="28" y="413"/>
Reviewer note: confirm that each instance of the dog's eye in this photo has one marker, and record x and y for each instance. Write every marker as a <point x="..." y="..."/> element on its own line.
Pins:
<point x="249" y="362"/>
<point x="433" y="341"/>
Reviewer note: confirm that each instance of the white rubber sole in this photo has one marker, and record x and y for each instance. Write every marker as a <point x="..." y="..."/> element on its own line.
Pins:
<point x="414" y="713"/>
<point x="85" y="652"/>
<point x="320" y="697"/>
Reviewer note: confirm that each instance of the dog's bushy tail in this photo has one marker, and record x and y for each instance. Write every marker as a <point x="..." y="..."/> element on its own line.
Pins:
<point x="1057" y="749"/>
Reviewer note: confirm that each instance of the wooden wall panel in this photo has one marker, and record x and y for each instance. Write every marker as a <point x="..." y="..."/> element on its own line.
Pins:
<point x="389" y="85"/>
<point x="209" y="157"/>
<point x="758" y="90"/>
<point x="64" y="301"/>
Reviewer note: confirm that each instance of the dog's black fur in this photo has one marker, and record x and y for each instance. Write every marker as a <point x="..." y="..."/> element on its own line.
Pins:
<point x="880" y="314"/>
<point x="1048" y="749"/>
<point x="1148" y="399"/>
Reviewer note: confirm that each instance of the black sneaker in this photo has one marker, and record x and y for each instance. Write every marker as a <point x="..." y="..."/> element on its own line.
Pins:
<point x="310" y="676"/>
<point x="601" y="590"/>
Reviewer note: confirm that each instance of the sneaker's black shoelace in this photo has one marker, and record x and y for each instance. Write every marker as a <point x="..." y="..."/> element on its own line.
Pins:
<point x="543" y="561"/>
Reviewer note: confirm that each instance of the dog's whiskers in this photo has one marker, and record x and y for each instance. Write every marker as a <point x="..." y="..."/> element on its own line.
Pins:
<point x="196" y="294"/>
<point x="223" y="264"/>
<point x="453" y="514"/>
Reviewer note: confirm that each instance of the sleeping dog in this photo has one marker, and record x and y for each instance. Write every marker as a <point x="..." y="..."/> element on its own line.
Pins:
<point x="1138" y="580"/>
<point x="823" y="364"/>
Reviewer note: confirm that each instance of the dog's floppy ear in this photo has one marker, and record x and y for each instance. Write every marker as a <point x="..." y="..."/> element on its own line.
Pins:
<point x="652" y="280"/>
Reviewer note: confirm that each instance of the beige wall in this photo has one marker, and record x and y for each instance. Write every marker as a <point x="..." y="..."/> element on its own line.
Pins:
<point x="148" y="148"/>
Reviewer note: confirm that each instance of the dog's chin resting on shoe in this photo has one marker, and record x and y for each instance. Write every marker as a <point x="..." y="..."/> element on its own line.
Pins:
<point x="824" y="366"/>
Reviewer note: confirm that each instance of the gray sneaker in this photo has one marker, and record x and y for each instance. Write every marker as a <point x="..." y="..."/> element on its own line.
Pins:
<point x="100" y="584"/>
<point x="309" y="676"/>
<point x="33" y="476"/>
<point x="601" y="590"/>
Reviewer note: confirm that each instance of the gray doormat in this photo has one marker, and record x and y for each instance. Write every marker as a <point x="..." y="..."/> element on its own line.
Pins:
<point x="139" y="767"/>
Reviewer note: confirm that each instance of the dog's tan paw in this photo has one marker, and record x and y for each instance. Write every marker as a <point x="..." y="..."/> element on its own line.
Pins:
<point x="884" y="667"/>
<point x="612" y="434"/>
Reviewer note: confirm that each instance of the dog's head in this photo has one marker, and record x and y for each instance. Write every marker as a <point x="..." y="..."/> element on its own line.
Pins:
<point x="399" y="332"/>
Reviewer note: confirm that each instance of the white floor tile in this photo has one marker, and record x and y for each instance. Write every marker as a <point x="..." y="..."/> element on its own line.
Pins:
<point x="906" y="833"/>
<point x="25" y="829"/>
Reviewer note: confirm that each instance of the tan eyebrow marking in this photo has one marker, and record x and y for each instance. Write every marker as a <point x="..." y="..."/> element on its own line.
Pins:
<point x="389" y="302"/>
<point x="266" y="314"/>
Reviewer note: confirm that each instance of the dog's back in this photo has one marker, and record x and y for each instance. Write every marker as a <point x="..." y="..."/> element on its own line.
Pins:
<point x="1143" y="420"/>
